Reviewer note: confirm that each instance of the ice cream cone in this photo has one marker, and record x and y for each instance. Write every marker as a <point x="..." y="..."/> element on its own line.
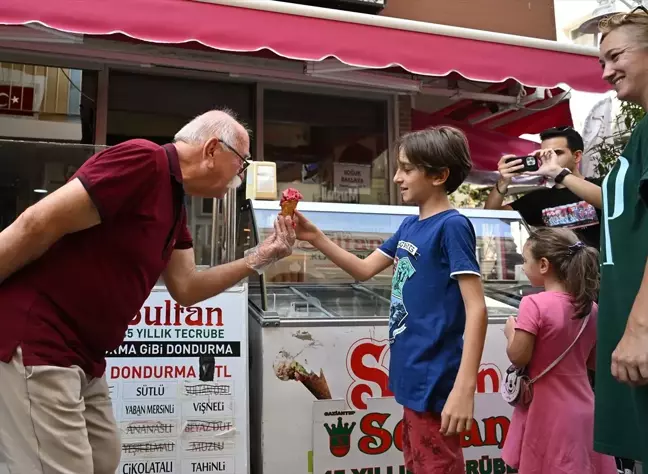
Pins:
<point x="317" y="385"/>
<point x="288" y="208"/>
<point x="289" y="199"/>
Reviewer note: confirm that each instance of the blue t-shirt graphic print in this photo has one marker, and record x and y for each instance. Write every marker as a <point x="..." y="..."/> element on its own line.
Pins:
<point x="403" y="271"/>
<point x="427" y="315"/>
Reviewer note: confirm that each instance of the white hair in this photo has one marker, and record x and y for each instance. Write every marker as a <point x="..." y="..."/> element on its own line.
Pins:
<point x="220" y="124"/>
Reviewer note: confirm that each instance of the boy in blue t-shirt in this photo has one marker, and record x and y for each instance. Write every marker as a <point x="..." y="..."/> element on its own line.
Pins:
<point x="437" y="300"/>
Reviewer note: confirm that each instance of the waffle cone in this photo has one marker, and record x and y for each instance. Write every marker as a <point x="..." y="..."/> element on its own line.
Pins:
<point x="317" y="385"/>
<point x="288" y="208"/>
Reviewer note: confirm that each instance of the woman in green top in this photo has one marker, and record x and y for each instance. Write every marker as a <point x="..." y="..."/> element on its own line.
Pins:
<point x="621" y="417"/>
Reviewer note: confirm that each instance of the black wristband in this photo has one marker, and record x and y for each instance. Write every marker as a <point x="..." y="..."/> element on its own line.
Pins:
<point x="498" y="189"/>
<point x="561" y="176"/>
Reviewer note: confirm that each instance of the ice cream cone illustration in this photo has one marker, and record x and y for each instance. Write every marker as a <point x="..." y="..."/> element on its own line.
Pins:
<point x="316" y="384"/>
<point x="289" y="199"/>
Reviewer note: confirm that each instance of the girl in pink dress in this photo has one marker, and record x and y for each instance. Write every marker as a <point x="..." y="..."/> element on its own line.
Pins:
<point x="555" y="433"/>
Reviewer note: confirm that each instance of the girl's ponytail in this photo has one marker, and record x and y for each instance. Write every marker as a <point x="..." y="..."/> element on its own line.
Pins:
<point x="582" y="277"/>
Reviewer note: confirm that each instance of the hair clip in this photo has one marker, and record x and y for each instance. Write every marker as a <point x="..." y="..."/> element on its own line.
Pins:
<point x="576" y="247"/>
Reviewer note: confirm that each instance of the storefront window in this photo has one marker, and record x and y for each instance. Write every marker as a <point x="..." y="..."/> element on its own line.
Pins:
<point x="45" y="113"/>
<point x="333" y="149"/>
<point x="39" y="155"/>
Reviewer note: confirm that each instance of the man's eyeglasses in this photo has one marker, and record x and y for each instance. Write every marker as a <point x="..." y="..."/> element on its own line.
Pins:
<point x="245" y="160"/>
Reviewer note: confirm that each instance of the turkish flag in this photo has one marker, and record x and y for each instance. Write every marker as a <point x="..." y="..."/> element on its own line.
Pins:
<point x="16" y="100"/>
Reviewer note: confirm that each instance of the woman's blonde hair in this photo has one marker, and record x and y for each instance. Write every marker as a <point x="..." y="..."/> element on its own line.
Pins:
<point x="636" y="21"/>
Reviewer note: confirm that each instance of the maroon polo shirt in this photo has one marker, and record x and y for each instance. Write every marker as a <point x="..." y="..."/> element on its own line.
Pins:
<point x="75" y="302"/>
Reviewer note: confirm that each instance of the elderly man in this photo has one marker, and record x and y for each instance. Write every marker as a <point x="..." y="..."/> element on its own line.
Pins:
<point x="77" y="266"/>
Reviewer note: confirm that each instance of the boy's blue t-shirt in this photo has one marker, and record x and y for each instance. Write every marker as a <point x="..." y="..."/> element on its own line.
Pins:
<point x="427" y="316"/>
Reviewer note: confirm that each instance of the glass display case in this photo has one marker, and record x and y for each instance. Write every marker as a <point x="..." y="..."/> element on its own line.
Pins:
<point x="307" y="285"/>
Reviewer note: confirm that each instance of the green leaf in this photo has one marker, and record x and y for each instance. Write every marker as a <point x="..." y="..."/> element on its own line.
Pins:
<point x="612" y="146"/>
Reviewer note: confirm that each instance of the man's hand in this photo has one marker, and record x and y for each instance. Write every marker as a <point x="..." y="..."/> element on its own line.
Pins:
<point x="189" y="286"/>
<point x="549" y="165"/>
<point x="509" y="170"/>
<point x="277" y="246"/>
<point x="457" y="414"/>
<point x="630" y="358"/>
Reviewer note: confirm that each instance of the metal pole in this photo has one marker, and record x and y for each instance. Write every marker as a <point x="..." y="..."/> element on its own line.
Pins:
<point x="393" y="133"/>
<point x="229" y="227"/>
<point x="258" y="133"/>
<point x="215" y="252"/>
<point x="101" y="120"/>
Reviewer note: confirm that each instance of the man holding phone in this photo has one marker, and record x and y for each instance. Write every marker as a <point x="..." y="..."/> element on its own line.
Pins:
<point x="569" y="202"/>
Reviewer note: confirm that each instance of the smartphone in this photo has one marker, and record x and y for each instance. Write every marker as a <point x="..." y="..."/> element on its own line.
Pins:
<point x="530" y="163"/>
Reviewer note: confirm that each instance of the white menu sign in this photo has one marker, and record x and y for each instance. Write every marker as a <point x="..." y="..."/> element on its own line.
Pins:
<point x="179" y="387"/>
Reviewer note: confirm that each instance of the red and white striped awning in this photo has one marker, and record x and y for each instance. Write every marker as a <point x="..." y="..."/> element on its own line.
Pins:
<point x="312" y="34"/>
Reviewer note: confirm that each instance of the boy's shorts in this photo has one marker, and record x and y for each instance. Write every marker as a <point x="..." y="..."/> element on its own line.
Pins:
<point x="426" y="450"/>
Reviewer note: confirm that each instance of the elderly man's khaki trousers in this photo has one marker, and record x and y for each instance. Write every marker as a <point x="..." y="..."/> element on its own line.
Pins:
<point x="56" y="420"/>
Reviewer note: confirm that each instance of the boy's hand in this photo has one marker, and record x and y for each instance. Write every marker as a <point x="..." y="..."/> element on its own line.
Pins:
<point x="305" y="229"/>
<point x="457" y="414"/>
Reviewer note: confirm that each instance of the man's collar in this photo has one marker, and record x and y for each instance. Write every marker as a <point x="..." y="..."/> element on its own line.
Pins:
<point x="174" y="162"/>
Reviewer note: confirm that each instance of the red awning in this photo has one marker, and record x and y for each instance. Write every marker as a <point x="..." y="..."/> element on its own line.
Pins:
<point x="307" y="38"/>
<point x="534" y="123"/>
<point x="550" y="109"/>
<point x="486" y="146"/>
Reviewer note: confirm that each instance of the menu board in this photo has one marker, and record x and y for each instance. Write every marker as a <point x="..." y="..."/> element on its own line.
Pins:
<point x="179" y="386"/>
